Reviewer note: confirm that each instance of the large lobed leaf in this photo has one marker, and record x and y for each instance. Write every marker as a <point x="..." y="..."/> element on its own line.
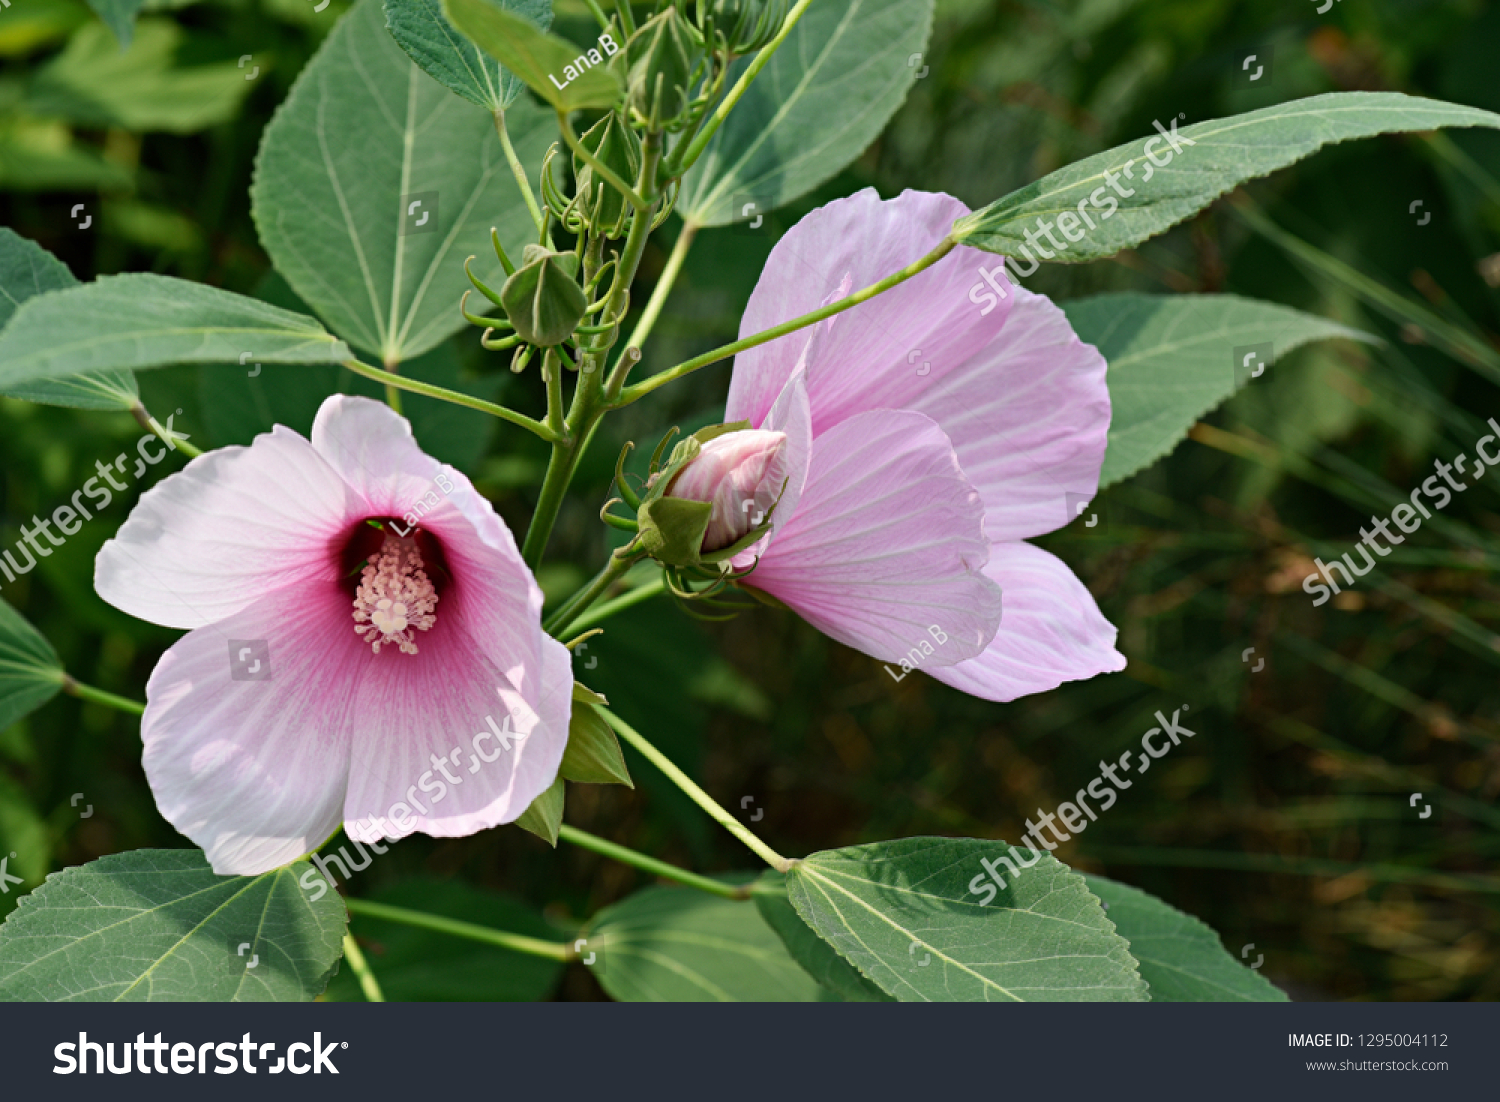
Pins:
<point x="419" y="28"/>
<point x="30" y="672"/>
<point x="824" y="97"/>
<point x="141" y="320"/>
<point x="817" y="958"/>
<point x="363" y="136"/>
<point x="159" y="926"/>
<point x="1172" y="358"/>
<point x="536" y="57"/>
<point x="1225" y="154"/>
<point x="93" y="83"/>
<point x="903" y="913"/>
<point x="1181" y="959"/>
<point x="28" y="270"/>
<point x="679" y="945"/>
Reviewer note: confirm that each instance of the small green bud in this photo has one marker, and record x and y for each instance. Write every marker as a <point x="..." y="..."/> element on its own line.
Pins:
<point x="543" y="299"/>
<point x="741" y="26"/>
<point x="659" y="69"/>
<point x="619" y="148"/>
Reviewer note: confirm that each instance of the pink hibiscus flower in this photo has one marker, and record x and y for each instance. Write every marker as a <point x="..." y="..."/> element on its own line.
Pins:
<point x="391" y="678"/>
<point x="928" y="433"/>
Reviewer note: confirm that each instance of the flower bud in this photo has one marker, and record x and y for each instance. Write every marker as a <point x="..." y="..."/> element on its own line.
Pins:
<point x="618" y="147"/>
<point x="741" y="26"/>
<point x="741" y="475"/>
<point x="543" y="299"/>
<point x="659" y="69"/>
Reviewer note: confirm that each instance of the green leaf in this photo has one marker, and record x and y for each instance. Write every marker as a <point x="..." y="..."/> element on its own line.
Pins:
<point x="119" y="15"/>
<point x="544" y="816"/>
<point x="365" y="147"/>
<point x="679" y="945"/>
<point x="157" y="925"/>
<point x="93" y="83"/>
<point x="30" y="672"/>
<point x="417" y="965"/>
<point x="43" y="155"/>
<point x="451" y="59"/>
<point x="1224" y="154"/>
<point x="819" y="959"/>
<point x="825" y="95"/>
<point x="28" y="270"/>
<point x="141" y="320"/>
<point x="23" y="832"/>
<point x="1181" y="959"/>
<point x="904" y="913"/>
<point x="536" y="57"/>
<point x="1172" y="358"/>
<point x="593" y="755"/>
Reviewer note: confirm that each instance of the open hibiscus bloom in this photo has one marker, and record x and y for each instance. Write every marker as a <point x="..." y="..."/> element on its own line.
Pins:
<point x="366" y="645"/>
<point x="926" y="439"/>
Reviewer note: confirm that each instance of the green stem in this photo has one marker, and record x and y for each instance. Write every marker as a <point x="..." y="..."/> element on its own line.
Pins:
<point x="619" y="563"/>
<point x="519" y="171"/>
<point x="99" y="696"/>
<point x="741" y="86"/>
<point x="361" y="969"/>
<point x="696" y="794"/>
<point x="454" y="396"/>
<point x="663" y="287"/>
<point x="151" y="424"/>
<point x="552" y="372"/>
<point x="599" y="613"/>
<point x="651" y="864"/>
<point x="519" y="943"/>
<point x="646" y="386"/>
<point x="598" y="13"/>
<point x="589" y="403"/>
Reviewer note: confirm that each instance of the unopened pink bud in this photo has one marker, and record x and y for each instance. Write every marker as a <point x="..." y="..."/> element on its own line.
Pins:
<point x="741" y="475"/>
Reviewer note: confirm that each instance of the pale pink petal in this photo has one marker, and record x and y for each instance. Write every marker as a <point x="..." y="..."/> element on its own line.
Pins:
<point x="1051" y="630"/>
<point x="886" y="543"/>
<point x="372" y="447"/>
<point x="884" y="352"/>
<point x="791" y="415"/>
<point x="228" y="528"/>
<point x="1029" y="419"/>
<point x="445" y="710"/>
<point x="253" y="771"/>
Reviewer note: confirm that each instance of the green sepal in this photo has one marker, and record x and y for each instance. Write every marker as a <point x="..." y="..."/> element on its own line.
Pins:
<point x="586" y="695"/>
<point x="544" y="816"/>
<point x="659" y="65"/>
<point x="618" y="148"/>
<point x="672" y="529"/>
<point x="543" y="299"/>
<point x="704" y="435"/>
<point x="740" y="26"/>
<point x="593" y="755"/>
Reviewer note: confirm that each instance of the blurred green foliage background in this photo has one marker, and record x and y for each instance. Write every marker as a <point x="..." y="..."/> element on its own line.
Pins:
<point x="1286" y="822"/>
